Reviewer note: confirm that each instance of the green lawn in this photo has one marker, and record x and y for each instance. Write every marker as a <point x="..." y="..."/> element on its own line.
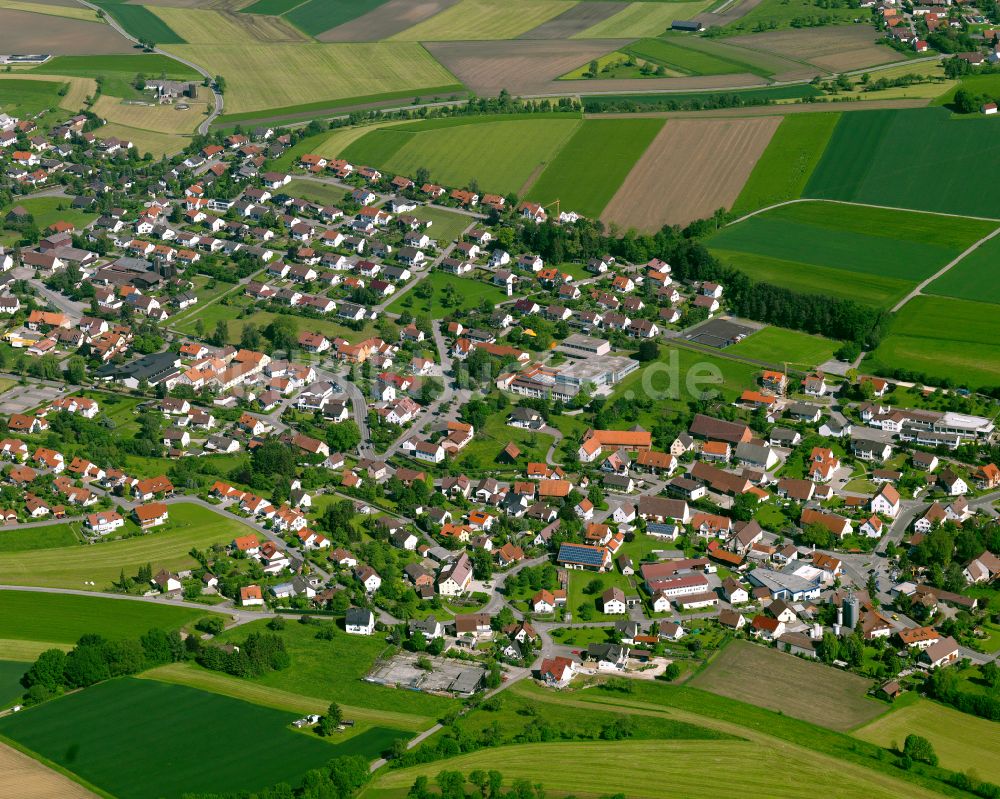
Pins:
<point x="674" y="53"/>
<point x="944" y="338"/>
<point x="962" y="742"/>
<point x="469" y="293"/>
<point x="975" y="277"/>
<point x="316" y="16"/>
<point x="862" y="161"/>
<point x="446" y="225"/>
<point x="118" y="71"/>
<point x="592" y="165"/>
<point x="501" y="155"/>
<point x="26" y="98"/>
<point x="49" y="210"/>
<point x="10" y="681"/>
<point x="790" y="158"/>
<point x="315" y="192"/>
<point x="165" y="547"/>
<point x="63" y="618"/>
<point x="30" y="538"/>
<point x="578" y="582"/>
<point x="349" y="657"/>
<point x="778" y="344"/>
<point x="93" y="733"/>
<point x="482" y="451"/>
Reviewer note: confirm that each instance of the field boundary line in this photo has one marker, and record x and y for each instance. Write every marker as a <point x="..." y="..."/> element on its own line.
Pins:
<point x="53" y="766"/>
<point x="918" y="289"/>
<point x="783" y="203"/>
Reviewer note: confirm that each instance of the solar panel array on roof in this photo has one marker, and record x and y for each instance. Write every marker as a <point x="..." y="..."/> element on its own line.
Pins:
<point x="579" y="553"/>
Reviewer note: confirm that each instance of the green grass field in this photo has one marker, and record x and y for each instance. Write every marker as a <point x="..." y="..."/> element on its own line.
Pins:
<point x="642" y="19"/>
<point x="139" y="21"/>
<point x="93" y="734"/>
<point x="10" y="681"/>
<point x="944" y="338"/>
<point x="975" y="277"/>
<point x="777" y="681"/>
<point x="786" y="165"/>
<point x="862" y="163"/>
<point x="117" y="71"/>
<point x="988" y="84"/>
<point x="63" y="618"/>
<point x="49" y="210"/>
<point x="30" y="538"/>
<point x="849" y="251"/>
<point x="26" y="98"/>
<point x="589" y="169"/>
<point x="481" y="452"/>
<point x="470" y="20"/>
<point x="469" y="293"/>
<point x="445" y="225"/>
<point x="166" y="547"/>
<point x="502" y="156"/>
<point x="271" y="7"/>
<point x="777" y="344"/>
<point x="315" y="192"/>
<point x="674" y="53"/>
<point x="962" y="742"/>
<point x="349" y="657"/>
<point x="316" y="16"/>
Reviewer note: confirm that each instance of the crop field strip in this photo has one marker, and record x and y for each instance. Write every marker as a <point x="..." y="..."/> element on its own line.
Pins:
<point x="72" y="12"/>
<point x="284" y="76"/>
<point x="590" y="168"/>
<point x="140" y="21"/>
<point x="643" y="19"/>
<point x="200" y="27"/>
<point x="831" y="48"/>
<point x="30" y="32"/>
<point x="862" y="164"/>
<point x="471" y="20"/>
<point x="869" y="254"/>
<point x="785" y="167"/>
<point x="157" y="118"/>
<point x="976" y="277"/>
<point x="692" y="168"/>
<point x="93" y="732"/>
<point x="385" y="21"/>
<point x="577" y="19"/>
<point x="501" y="155"/>
<point x="33" y="780"/>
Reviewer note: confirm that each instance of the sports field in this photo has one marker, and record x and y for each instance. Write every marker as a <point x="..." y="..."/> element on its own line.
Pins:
<point x="166" y="548"/>
<point x="975" y="277"/>
<point x="472" y="20"/>
<point x="962" y="742"/>
<point x="93" y="733"/>
<point x="587" y="172"/>
<point x="502" y="156"/>
<point x="262" y="76"/>
<point x="861" y="162"/>
<point x="785" y="167"/>
<point x="642" y="19"/>
<point x="870" y="254"/>
<point x="777" y="681"/>
<point x="63" y="618"/>
<point x="778" y="344"/>
<point x="944" y="338"/>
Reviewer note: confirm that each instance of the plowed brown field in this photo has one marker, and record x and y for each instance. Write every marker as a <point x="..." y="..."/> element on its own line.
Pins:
<point x="25" y="778"/>
<point x="692" y="168"/>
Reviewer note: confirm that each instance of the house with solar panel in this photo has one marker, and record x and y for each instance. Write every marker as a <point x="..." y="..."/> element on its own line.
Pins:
<point x="583" y="556"/>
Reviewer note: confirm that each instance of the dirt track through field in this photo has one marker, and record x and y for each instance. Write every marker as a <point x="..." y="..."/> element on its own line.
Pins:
<point x="25" y="778"/>
<point x="27" y="32"/>
<point x="576" y="20"/>
<point x="386" y="20"/>
<point x="691" y="169"/>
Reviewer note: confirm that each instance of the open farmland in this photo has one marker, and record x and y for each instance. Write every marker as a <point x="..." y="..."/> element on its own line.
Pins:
<point x="575" y="20"/>
<point x="28" y="32"/>
<point x="79" y="88"/>
<point x="962" y="742"/>
<point x="862" y="162"/>
<point x="778" y="681"/>
<point x="784" y="168"/>
<point x="777" y="345"/>
<point x="317" y="16"/>
<point x="63" y="618"/>
<point x="93" y="733"/>
<point x="470" y="20"/>
<point x="215" y="27"/>
<point x="501" y="155"/>
<point x="643" y="19"/>
<point x="22" y="97"/>
<point x="642" y="768"/>
<point x="52" y="9"/>
<point x="10" y="680"/>
<point x="832" y="48"/>
<point x="814" y="246"/>
<point x="159" y="118"/>
<point x="385" y="20"/>
<point x="691" y="169"/>
<point x="139" y="21"/>
<point x="675" y="53"/>
<point x="68" y="567"/>
<point x="35" y="781"/>
<point x="262" y="76"/>
<point x="944" y="339"/>
<point x="975" y="277"/>
<point x="592" y="165"/>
